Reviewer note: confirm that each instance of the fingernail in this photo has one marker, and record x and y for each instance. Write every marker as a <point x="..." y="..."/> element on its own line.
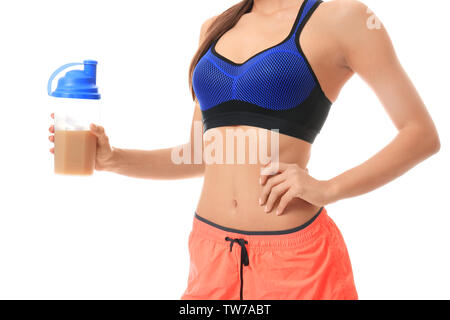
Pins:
<point x="278" y="212"/>
<point x="260" y="180"/>
<point x="266" y="209"/>
<point x="260" y="201"/>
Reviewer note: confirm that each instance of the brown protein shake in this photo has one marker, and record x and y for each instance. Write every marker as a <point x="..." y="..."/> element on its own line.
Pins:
<point x="75" y="152"/>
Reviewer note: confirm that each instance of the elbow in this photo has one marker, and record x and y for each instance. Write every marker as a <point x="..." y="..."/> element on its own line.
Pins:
<point x="435" y="145"/>
<point x="428" y="136"/>
<point x="431" y="143"/>
<point x="426" y="140"/>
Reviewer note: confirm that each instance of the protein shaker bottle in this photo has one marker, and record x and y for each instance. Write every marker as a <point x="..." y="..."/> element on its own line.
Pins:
<point x="76" y="104"/>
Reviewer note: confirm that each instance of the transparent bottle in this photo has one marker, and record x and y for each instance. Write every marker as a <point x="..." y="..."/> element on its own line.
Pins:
<point x="76" y="104"/>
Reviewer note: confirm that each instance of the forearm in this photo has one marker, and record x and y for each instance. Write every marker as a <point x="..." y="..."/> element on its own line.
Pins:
<point x="152" y="164"/>
<point x="408" y="148"/>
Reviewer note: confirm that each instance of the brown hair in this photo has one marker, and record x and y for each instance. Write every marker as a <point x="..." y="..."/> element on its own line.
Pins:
<point x="221" y="24"/>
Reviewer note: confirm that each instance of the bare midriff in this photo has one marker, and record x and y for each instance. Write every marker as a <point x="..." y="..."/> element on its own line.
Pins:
<point x="231" y="190"/>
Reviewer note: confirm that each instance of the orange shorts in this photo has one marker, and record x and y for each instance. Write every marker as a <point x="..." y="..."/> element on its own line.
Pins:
<point x="309" y="262"/>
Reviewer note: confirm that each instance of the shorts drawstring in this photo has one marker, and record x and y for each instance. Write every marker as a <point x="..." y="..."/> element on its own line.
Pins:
<point x="244" y="257"/>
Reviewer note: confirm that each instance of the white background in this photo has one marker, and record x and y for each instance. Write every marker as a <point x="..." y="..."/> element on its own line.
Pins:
<point x="114" y="237"/>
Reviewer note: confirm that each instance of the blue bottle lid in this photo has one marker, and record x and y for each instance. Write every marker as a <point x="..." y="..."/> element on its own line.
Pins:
<point x="80" y="84"/>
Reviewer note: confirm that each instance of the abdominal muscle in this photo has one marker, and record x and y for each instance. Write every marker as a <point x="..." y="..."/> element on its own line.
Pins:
<point x="231" y="191"/>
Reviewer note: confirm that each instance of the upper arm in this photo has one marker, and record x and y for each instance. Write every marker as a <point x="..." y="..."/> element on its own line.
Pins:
<point x="369" y="52"/>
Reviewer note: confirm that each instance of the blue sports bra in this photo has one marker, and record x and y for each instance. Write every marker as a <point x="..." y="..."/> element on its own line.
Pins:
<point x="274" y="89"/>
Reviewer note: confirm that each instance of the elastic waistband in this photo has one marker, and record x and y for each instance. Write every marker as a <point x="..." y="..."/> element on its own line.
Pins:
<point x="280" y="238"/>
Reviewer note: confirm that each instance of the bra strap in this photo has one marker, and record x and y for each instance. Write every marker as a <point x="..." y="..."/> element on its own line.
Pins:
<point x="309" y="6"/>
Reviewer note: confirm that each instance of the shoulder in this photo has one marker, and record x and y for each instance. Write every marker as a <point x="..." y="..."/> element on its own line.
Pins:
<point x="205" y="26"/>
<point x="345" y="15"/>
<point x="359" y="35"/>
<point x="345" y="18"/>
<point x="346" y="8"/>
<point x="351" y="23"/>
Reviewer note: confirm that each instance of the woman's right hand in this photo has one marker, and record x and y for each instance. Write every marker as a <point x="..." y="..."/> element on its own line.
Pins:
<point x="104" y="152"/>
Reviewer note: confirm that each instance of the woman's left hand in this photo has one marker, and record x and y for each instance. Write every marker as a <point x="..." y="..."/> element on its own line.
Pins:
<point x="289" y="182"/>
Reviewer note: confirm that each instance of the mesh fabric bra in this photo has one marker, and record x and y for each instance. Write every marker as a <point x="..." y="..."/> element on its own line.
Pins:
<point x="274" y="89"/>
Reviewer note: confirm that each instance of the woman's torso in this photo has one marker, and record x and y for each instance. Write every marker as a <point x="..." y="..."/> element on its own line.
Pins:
<point x="231" y="191"/>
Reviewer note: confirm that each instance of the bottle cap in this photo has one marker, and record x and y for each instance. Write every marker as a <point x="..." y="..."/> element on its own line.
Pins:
<point x="80" y="84"/>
